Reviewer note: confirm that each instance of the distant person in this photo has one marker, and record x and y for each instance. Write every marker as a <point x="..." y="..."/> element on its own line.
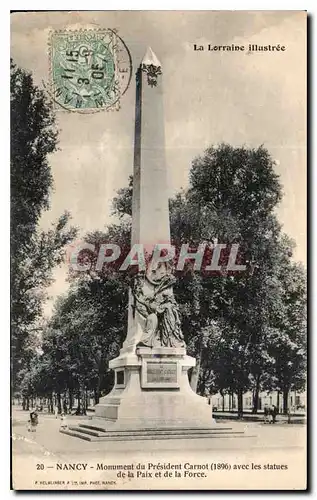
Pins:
<point x="266" y="413"/>
<point x="34" y="420"/>
<point x="270" y="415"/>
<point x="56" y="411"/>
<point x="290" y="411"/>
<point x="274" y="412"/>
<point x="63" y="421"/>
<point x="65" y="407"/>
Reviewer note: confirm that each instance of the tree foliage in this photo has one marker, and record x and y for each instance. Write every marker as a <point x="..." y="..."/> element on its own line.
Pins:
<point x="34" y="253"/>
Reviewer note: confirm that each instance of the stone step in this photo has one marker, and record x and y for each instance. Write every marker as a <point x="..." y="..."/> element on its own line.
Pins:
<point x="136" y="432"/>
<point x="79" y="435"/>
<point x="145" y="437"/>
<point x="155" y="429"/>
<point x="90" y="432"/>
<point x="91" y="435"/>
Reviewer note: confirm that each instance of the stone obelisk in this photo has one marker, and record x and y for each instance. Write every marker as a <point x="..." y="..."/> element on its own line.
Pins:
<point x="150" y="215"/>
<point x="151" y="397"/>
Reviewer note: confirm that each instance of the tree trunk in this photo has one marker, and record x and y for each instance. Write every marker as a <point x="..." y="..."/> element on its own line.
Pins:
<point x="223" y="399"/>
<point x="278" y="400"/>
<point x="78" y="410"/>
<point x="24" y="404"/>
<point x="285" y="400"/>
<point x="86" y="400"/>
<point x="240" y="403"/>
<point x="256" y="395"/>
<point x="71" y="400"/>
<point x="96" y="394"/>
<point x="59" y="402"/>
<point x="97" y="388"/>
<point x="78" y="402"/>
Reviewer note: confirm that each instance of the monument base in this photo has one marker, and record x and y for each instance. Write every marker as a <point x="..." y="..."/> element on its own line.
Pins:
<point x="151" y="399"/>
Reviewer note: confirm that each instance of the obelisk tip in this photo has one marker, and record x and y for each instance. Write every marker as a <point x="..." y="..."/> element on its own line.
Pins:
<point x="150" y="59"/>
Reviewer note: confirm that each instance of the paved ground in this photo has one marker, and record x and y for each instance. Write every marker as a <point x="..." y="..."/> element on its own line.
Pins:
<point x="38" y="457"/>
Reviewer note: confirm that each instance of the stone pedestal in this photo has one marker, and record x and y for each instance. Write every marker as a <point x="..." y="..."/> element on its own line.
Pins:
<point x="152" y="390"/>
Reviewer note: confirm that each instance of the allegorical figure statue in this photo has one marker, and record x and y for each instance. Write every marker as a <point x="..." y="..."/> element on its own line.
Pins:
<point x="147" y="308"/>
<point x="169" y="322"/>
<point x="162" y="321"/>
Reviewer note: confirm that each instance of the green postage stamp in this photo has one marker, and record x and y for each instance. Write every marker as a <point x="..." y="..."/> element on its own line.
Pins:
<point x="90" y="69"/>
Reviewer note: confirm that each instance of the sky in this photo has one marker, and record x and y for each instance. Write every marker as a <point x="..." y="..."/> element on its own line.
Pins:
<point x="209" y="97"/>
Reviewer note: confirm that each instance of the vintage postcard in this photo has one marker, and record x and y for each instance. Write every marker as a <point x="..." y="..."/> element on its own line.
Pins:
<point x="158" y="250"/>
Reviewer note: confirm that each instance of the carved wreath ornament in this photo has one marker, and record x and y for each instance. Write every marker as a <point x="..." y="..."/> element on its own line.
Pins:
<point x="152" y="73"/>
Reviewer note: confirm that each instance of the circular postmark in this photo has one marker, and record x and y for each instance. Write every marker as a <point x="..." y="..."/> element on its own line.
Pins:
<point x="90" y="69"/>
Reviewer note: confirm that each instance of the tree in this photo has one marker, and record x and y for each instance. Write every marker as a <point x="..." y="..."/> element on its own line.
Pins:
<point x="287" y="342"/>
<point x="232" y="194"/>
<point x="33" y="138"/>
<point x="34" y="253"/>
<point x="122" y="203"/>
